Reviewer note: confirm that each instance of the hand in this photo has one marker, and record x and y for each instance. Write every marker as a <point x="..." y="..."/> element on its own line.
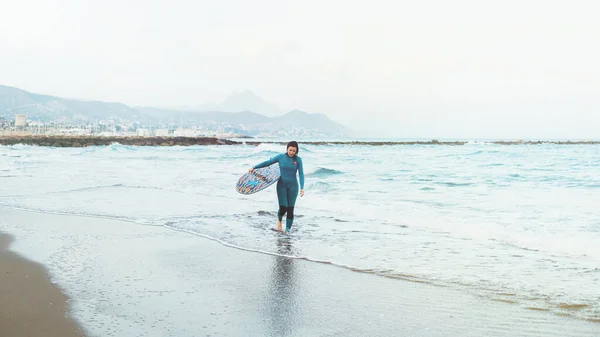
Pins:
<point x="251" y="169"/>
<point x="301" y="193"/>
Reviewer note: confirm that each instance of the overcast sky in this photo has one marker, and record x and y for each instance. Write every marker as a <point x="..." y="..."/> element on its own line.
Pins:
<point x="486" y="69"/>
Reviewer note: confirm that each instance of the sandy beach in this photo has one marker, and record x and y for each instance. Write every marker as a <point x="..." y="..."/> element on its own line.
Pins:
<point x="31" y="304"/>
<point x="129" y="279"/>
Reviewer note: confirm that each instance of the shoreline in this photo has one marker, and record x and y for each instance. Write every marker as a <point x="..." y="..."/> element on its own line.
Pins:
<point x="84" y="141"/>
<point x="31" y="304"/>
<point x="181" y="284"/>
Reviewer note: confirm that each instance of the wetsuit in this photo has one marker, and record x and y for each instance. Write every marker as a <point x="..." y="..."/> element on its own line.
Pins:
<point x="287" y="185"/>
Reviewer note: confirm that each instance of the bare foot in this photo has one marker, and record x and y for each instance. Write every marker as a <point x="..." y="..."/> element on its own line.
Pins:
<point x="279" y="226"/>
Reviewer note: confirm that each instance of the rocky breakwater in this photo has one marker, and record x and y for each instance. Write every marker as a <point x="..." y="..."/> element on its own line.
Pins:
<point x="539" y="142"/>
<point x="369" y="143"/>
<point x="83" y="141"/>
<point x="437" y="142"/>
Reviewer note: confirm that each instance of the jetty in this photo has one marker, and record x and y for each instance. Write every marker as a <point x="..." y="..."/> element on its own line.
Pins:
<point x="84" y="141"/>
<point x="94" y="140"/>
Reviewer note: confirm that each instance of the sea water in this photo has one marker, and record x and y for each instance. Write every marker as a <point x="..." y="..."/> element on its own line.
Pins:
<point x="518" y="223"/>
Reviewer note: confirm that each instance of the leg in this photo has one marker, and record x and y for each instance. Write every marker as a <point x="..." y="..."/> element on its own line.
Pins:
<point x="289" y="220"/>
<point x="282" y="198"/>
<point x="292" y="194"/>
<point x="281" y="212"/>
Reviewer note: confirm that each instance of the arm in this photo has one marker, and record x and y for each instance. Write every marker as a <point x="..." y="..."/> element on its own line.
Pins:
<point x="266" y="163"/>
<point x="301" y="173"/>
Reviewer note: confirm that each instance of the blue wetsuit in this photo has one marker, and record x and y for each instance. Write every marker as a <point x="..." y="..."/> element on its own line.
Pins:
<point x="287" y="185"/>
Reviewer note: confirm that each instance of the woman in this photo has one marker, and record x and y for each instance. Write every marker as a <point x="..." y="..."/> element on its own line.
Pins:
<point x="287" y="185"/>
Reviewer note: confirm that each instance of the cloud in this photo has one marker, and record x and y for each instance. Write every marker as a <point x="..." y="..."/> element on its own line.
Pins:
<point x="426" y="67"/>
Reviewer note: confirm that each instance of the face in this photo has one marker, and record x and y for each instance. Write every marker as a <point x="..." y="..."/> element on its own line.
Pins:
<point x="291" y="151"/>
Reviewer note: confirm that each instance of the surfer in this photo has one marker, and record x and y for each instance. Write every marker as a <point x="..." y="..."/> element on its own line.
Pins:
<point x="287" y="185"/>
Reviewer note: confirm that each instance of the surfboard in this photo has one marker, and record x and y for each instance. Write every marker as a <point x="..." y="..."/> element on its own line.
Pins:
<point x="258" y="180"/>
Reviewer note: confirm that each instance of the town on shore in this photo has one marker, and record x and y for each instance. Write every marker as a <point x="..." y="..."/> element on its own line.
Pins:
<point x="21" y="131"/>
<point x="133" y="140"/>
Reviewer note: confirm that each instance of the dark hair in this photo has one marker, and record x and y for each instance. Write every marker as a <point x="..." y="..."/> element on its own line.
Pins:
<point x="293" y="143"/>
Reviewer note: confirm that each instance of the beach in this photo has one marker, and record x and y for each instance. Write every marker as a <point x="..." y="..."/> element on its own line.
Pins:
<point x="437" y="169"/>
<point x="127" y="279"/>
<point x="31" y="304"/>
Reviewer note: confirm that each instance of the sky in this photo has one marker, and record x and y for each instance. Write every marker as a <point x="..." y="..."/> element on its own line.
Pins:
<point x="408" y="69"/>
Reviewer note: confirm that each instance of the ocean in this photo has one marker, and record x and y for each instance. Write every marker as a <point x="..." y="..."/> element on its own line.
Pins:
<point x="517" y="224"/>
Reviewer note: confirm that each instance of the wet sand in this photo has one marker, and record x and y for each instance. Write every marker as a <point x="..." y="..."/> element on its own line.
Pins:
<point x="30" y="304"/>
<point x="128" y="279"/>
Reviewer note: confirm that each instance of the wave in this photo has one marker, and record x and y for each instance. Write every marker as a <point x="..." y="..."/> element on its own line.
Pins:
<point x="112" y="148"/>
<point x="320" y="186"/>
<point x="138" y="221"/>
<point x="451" y="184"/>
<point x="323" y="172"/>
<point x="558" y="245"/>
<point x="117" y="147"/>
<point x="478" y="142"/>
<point x="87" y="188"/>
<point x="266" y="213"/>
<point x="275" y="149"/>
<point x="570" y="307"/>
<point x="269" y="148"/>
<point x="194" y="148"/>
<point x="18" y="147"/>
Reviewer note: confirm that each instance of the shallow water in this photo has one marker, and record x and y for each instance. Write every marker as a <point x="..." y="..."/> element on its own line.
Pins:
<point x="510" y="223"/>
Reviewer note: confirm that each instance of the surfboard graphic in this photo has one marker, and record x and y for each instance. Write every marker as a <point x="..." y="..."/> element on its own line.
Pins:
<point x="252" y="182"/>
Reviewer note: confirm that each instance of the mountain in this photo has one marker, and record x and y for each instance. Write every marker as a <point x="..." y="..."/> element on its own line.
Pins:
<point x="50" y="108"/>
<point x="13" y="97"/>
<point x="311" y="121"/>
<point x="42" y="107"/>
<point x="243" y="101"/>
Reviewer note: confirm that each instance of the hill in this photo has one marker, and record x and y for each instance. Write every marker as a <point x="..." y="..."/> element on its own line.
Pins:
<point x="50" y="108"/>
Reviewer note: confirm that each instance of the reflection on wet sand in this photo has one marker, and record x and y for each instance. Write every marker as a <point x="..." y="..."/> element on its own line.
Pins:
<point x="283" y="306"/>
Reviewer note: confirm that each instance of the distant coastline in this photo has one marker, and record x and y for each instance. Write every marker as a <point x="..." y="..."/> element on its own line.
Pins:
<point x="84" y="141"/>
